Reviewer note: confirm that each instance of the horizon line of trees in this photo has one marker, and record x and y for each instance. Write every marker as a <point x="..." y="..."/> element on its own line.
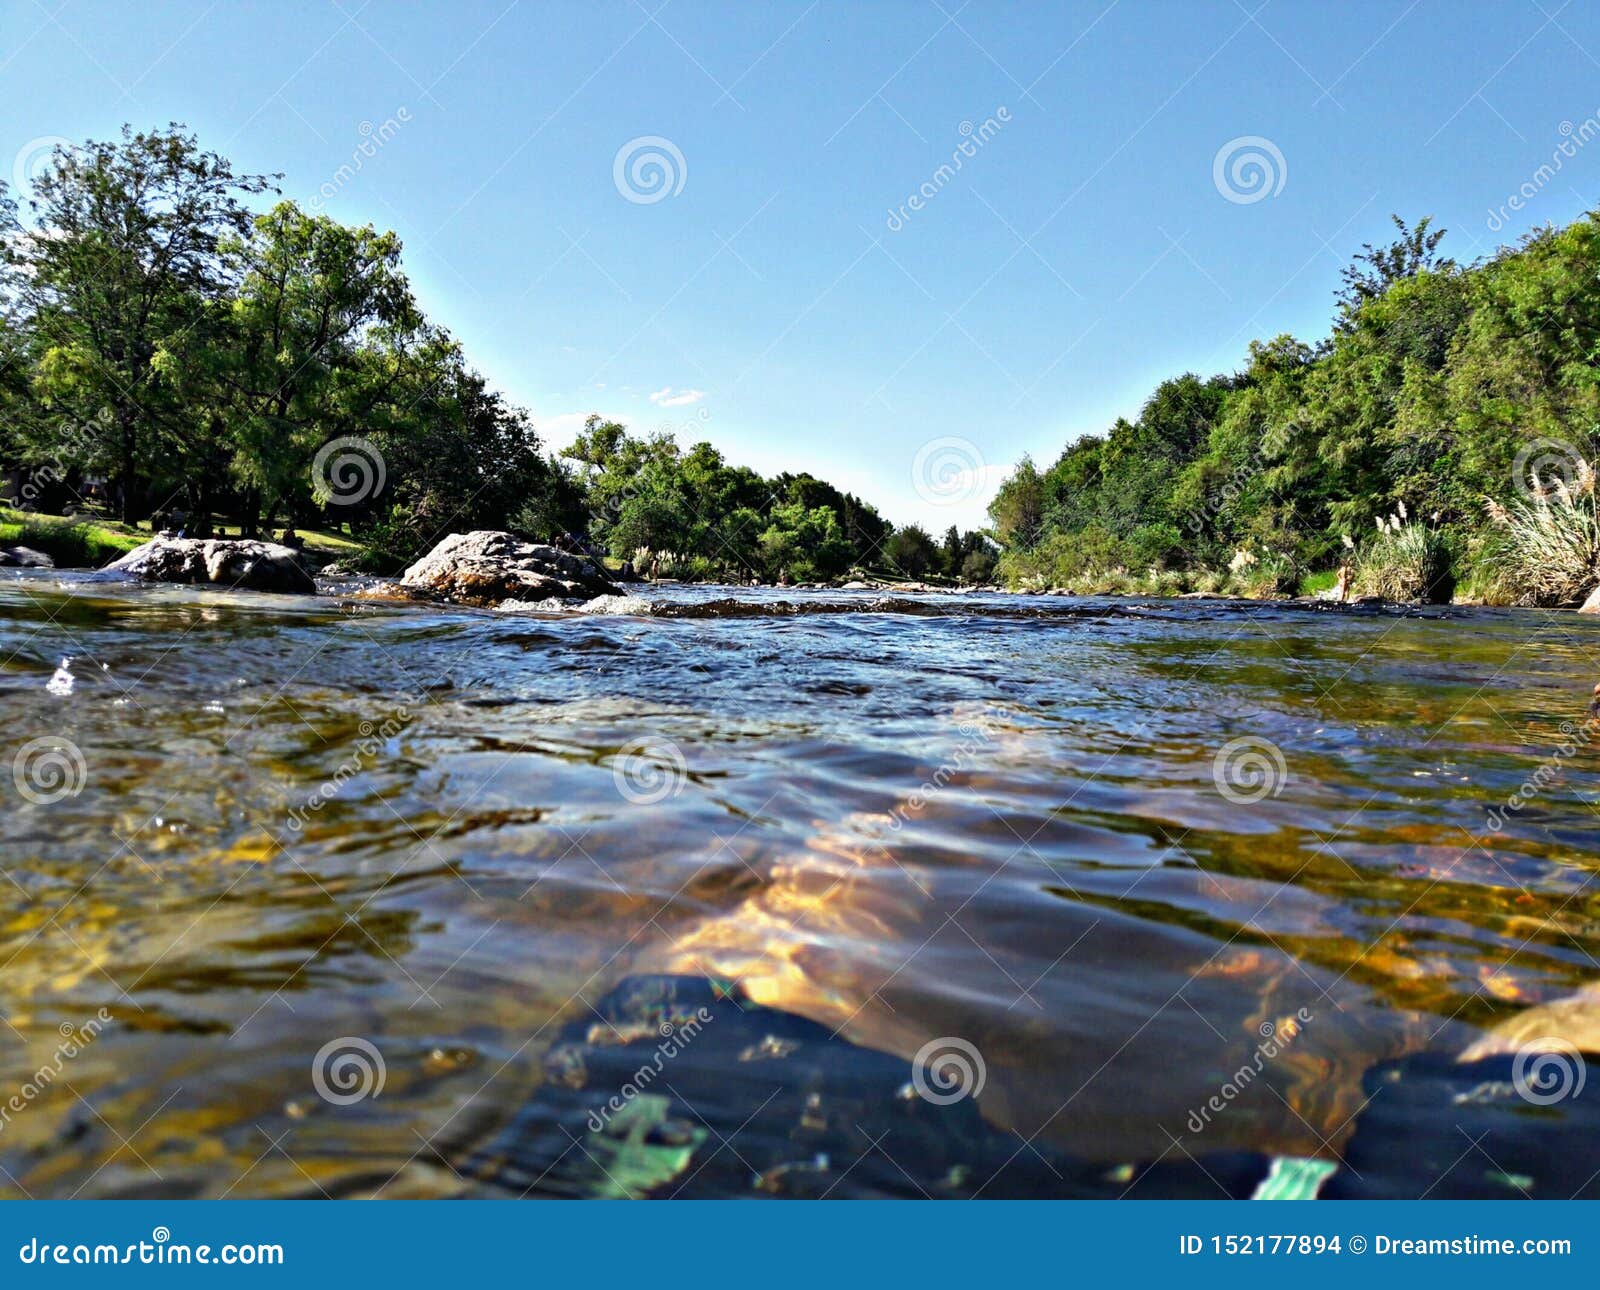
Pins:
<point x="168" y="346"/>
<point x="1442" y="393"/>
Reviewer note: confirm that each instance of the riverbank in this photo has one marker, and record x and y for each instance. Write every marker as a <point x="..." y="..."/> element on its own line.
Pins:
<point x="92" y="541"/>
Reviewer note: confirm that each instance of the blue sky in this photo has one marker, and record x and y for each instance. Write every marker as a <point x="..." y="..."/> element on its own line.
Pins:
<point x="767" y="286"/>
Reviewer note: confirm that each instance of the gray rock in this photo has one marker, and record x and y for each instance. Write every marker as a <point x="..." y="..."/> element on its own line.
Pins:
<point x="23" y="557"/>
<point x="241" y="563"/>
<point x="1591" y="605"/>
<point x="487" y="567"/>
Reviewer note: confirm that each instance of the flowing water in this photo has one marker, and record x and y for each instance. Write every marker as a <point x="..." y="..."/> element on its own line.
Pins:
<point x="259" y="849"/>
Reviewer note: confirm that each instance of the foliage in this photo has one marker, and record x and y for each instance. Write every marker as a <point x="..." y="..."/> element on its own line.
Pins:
<point x="1548" y="551"/>
<point x="1407" y="561"/>
<point x="164" y="345"/>
<point x="1435" y="380"/>
<point x="68" y="542"/>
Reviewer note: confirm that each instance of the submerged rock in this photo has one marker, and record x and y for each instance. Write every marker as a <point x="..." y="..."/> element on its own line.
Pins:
<point x="653" y="1080"/>
<point x="1497" y="1127"/>
<point x="486" y="567"/>
<point x="242" y="563"/>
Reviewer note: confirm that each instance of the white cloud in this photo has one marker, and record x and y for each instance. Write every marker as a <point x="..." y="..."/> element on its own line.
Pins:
<point x="667" y="397"/>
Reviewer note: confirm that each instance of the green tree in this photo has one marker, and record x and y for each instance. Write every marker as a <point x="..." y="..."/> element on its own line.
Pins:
<point x="320" y="341"/>
<point x="911" y="551"/>
<point x="119" y="285"/>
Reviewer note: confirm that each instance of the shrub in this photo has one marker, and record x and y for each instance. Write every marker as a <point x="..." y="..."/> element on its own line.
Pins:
<point x="1262" y="574"/>
<point x="1549" y="547"/>
<point x="1408" y="562"/>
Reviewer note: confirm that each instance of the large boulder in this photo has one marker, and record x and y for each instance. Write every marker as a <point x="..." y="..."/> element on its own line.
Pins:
<point x="486" y="567"/>
<point x="1591" y="605"/>
<point x="225" y="562"/>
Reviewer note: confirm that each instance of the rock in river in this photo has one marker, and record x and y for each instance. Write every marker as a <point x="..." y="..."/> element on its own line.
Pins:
<point x="22" y="557"/>
<point x="486" y="567"/>
<point x="227" y="562"/>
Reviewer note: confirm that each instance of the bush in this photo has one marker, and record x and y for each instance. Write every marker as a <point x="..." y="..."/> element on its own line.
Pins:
<point x="1408" y="562"/>
<point x="389" y="544"/>
<point x="1548" y="551"/>
<point x="1262" y="574"/>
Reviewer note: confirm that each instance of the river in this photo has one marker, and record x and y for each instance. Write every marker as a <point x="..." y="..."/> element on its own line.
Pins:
<point x="311" y="887"/>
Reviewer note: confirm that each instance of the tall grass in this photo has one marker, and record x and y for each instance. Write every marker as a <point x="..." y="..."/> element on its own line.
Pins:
<point x="72" y="545"/>
<point x="1549" y="548"/>
<point x="1408" y="562"/>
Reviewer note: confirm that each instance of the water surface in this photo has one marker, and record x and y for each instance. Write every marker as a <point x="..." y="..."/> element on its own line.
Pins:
<point x="449" y="833"/>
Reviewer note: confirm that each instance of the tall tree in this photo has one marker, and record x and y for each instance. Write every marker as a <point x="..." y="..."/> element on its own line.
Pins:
<point x="320" y="338"/>
<point x="1376" y="268"/>
<point x="117" y="269"/>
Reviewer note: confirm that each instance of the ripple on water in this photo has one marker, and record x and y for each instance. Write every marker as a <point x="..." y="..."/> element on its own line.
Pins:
<point x="449" y="832"/>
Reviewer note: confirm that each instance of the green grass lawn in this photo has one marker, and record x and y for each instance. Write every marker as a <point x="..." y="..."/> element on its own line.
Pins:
<point x="91" y="543"/>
